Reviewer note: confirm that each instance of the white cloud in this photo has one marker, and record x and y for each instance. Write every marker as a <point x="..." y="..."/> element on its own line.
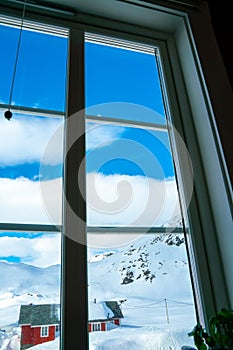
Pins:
<point x="41" y="251"/>
<point x="24" y="139"/>
<point x="122" y="200"/>
<point x="101" y="135"/>
<point x="27" y="139"/>
<point x="130" y="200"/>
<point x="21" y="201"/>
<point x="112" y="200"/>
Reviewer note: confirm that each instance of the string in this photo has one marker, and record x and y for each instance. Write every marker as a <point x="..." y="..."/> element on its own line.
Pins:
<point x="9" y="115"/>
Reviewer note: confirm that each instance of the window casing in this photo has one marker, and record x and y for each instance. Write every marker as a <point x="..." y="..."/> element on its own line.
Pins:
<point x="193" y="106"/>
<point x="44" y="331"/>
<point x="182" y="119"/>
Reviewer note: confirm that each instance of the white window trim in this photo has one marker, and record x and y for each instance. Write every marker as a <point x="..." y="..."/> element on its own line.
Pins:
<point x="44" y="331"/>
<point x="96" y="327"/>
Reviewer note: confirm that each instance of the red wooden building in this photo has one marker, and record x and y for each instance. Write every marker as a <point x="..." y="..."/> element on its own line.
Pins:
<point x="39" y="324"/>
<point x="103" y="315"/>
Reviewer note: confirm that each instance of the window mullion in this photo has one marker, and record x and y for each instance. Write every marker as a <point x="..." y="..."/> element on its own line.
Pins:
<point x="74" y="267"/>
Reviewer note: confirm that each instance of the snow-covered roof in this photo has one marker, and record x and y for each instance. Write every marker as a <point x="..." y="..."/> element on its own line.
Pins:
<point x="104" y="310"/>
<point x="38" y="315"/>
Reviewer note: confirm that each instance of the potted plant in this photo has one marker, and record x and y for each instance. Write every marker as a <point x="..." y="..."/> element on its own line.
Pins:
<point x="220" y="334"/>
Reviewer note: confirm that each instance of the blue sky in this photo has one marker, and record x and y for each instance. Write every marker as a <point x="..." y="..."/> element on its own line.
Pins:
<point x="132" y="152"/>
<point x="120" y="75"/>
<point x="41" y="69"/>
<point x="119" y="83"/>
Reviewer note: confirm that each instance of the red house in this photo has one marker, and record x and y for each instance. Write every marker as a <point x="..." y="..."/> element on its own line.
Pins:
<point x="103" y="315"/>
<point x="39" y="324"/>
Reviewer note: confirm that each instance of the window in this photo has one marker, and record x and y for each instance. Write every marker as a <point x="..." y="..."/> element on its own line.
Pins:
<point x="184" y="113"/>
<point x="31" y="171"/>
<point x="44" y="331"/>
<point x="136" y="239"/>
<point x="192" y="97"/>
<point x="96" y="327"/>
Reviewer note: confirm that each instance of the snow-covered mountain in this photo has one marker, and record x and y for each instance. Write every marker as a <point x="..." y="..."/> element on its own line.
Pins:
<point x="154" y="265"/>
<point x="150" y="279"/>
<point x="24" y="284"/>
<point x="28" y="278"/>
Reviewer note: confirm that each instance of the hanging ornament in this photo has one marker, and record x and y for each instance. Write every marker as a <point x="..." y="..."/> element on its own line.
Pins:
<point x="8" y="113"/>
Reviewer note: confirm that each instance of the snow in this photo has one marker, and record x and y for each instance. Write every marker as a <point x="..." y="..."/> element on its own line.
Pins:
<point x="24" y="284"/>
<point x="10" y="341"/>
<point x="136" y="339"/>
<point x="159" y="270"/>
<point x="99" y="310"/>
<point x="52" y="345"/>
<point x="149" y="278"/>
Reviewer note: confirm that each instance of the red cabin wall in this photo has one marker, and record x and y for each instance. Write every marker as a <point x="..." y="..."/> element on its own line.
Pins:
<point x="89" y="327"/>
<point x="32" y="335"/>
<point x="117" y="322"/>
<point x="26" y="335"/>
<point x="37" y="337"/>
<point x="103" y="326"/>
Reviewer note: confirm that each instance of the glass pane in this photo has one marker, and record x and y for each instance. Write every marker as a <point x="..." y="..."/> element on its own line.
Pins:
<point x="139" y="292"/>
<point x="130" y="177"/>
<point x="139" y="287"/>
<point x="40" y="80"/>
<point x="122" y="83"/>
<point x="30" y="268"/>
<point x="31" y="169"/>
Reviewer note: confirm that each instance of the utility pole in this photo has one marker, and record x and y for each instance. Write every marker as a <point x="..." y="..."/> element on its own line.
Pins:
<point x="166" y="307"/>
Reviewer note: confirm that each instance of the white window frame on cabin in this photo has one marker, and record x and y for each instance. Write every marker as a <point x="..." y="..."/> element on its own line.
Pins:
<point x="96" y="327"/>
<point x="195" y="99"/>
<point x="44" y="331"/>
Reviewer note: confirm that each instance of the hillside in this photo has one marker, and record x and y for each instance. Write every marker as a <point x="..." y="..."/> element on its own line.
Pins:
<point x="149" y="277"/>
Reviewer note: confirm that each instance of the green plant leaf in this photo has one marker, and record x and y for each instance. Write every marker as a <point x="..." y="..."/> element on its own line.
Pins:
<point x="221" y="332"/>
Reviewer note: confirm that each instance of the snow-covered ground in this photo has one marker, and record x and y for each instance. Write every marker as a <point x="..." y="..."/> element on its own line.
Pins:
<point x="52" y="345"/>
<point x="146" y="338"/>
<point x="149" y="278"/>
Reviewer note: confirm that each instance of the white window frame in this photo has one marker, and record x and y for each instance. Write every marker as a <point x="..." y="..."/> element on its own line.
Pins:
<point x="96" y="327"/>
<point x="44" y="331"/>
<point x="35" y="227"/>
<point x="12" y="21"/>
<point x="196" y="100"/>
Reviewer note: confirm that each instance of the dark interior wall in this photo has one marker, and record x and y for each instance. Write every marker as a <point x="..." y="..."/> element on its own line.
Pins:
<point x="222" y="22"/>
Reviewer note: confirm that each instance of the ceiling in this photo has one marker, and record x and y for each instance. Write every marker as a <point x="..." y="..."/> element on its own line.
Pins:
<point x="98" y="6"/>
<point x="115" y="9"/>
<point x="221" y="16"/>
<point x="143" y="13"/>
